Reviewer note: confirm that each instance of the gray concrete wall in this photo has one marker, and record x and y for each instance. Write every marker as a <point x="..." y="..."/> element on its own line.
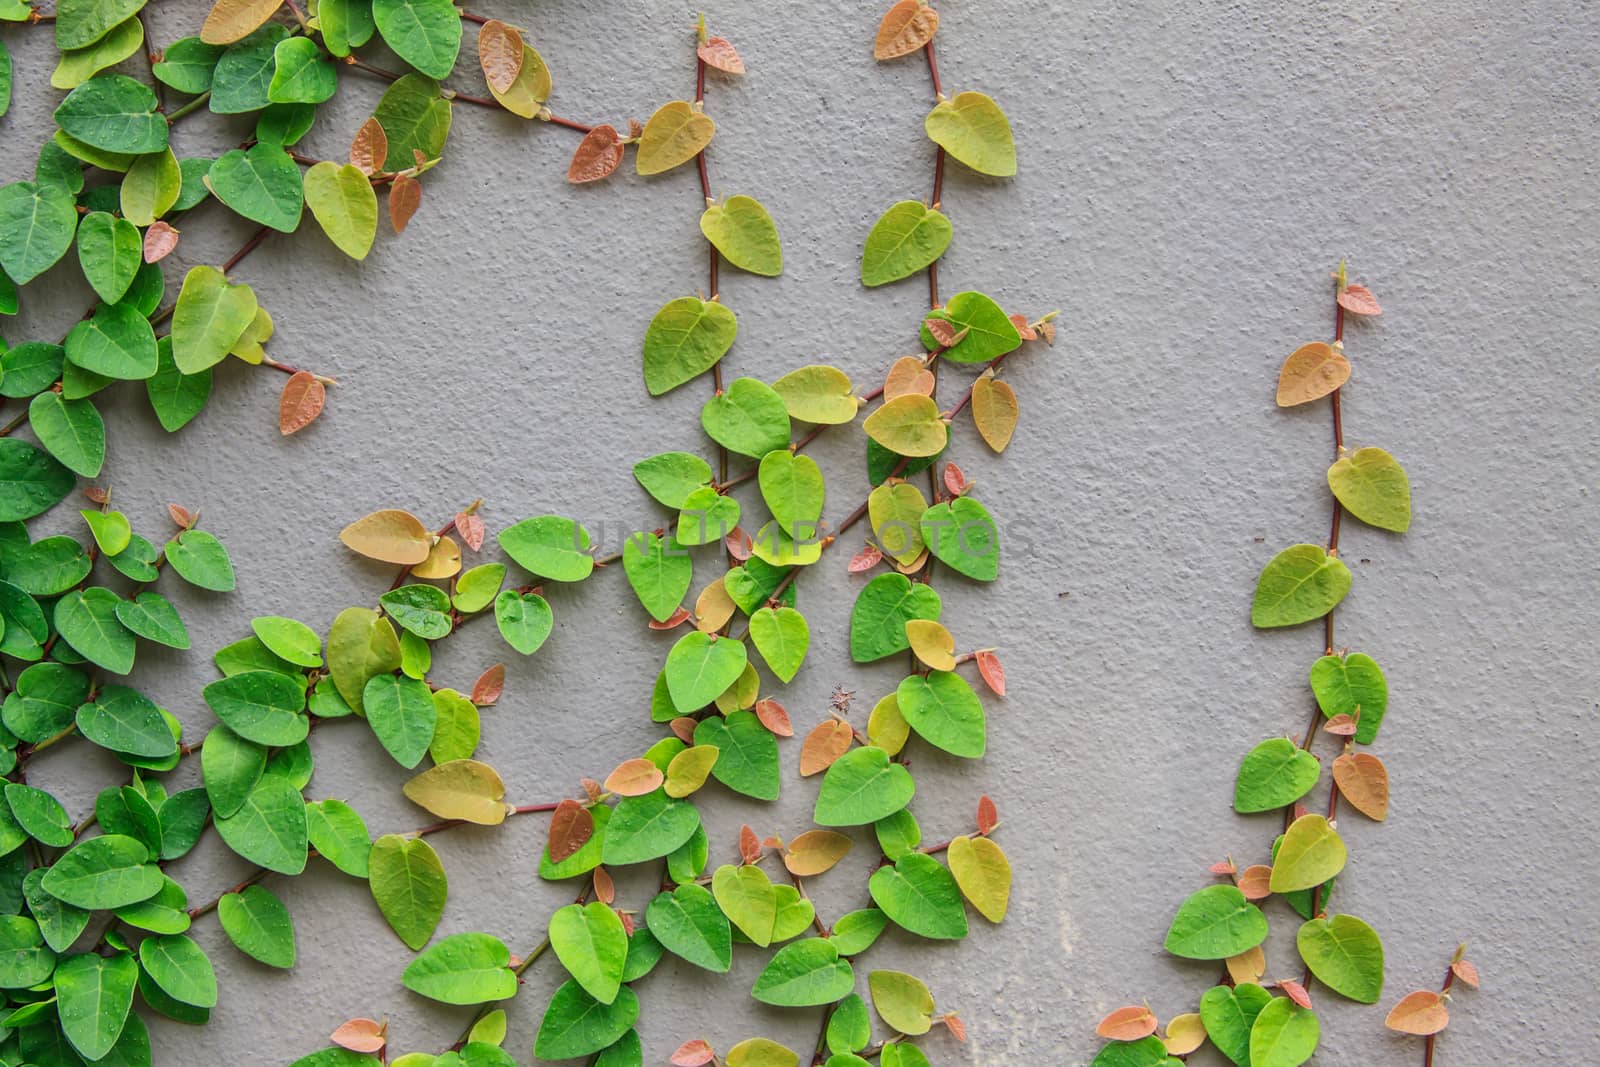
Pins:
<point x="1189" y="175"/>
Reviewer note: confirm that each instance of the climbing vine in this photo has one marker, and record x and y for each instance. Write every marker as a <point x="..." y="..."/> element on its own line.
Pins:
<point x="109" y="184"/>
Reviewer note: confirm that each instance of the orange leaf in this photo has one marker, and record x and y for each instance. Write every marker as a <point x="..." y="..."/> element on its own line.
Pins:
<point x="908" y="374"/>
<point x="739" y="544"/>
<point x="359" y="1035"/>
<point x="1127" y="1024"/>
<point x="694" y="1053"/>
<point x="955" y="479"/>
<point x="490" y="684"/>
<point x="500" y="52"/>
<point x="992" y="672"/>
<point x="1024" y="327"/>
<point x="390" y="535"/>
<point x="905" y="28"/>
<point x="775" y="717"/>
<point x="815" y="852"/>
<point x="944" y="331"/>
<point x="717" y="52"/>
<point x="605" y="890"/>
<point x="830" y="740"/>
<point x="570" y="827"/>
<point x="1420" y="1013"/>
<point x="591" y="789"/>
<point x="97" y="494"/>
<point x="405" y="196"/>
<point x="369" y="148"/>
<point x="1247" y="966"/>
<point x="957" y="1028"/>
<point x="301" y="402"/>
<point x="599" y="153"/>
<point x="988" y="815"/>
<point x="470" y="527"/>
<point x="1364" y="781"/>
<point x="181" y="515"/>
<point x="676" y="619"/>
<point x="713" y="607"/>
<point x="1310" y="373"/>
<point x="635" y="778"/>
<point x="1341" y="725"/>
<point x="1295" y="992"/>
<point x="683" y="728"/>
<point x="1358" y="300"/>
<point x="868" y="558"/>
<point x="159" y="241"/>
<point x="1254" y="881"/>
<point x="444" y="560"/>
<point x="1465" y="971"/>
<point x="627" y="920"/>
<point x="995" y="411"/>
<point x="1225" y="869"/>
<point x="749" y="845"/>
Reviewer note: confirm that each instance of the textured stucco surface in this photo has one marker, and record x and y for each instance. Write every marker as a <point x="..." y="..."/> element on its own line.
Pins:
<point x="1189" y="174"/>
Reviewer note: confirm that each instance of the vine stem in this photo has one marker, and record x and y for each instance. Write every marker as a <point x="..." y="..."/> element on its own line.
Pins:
<point x="1444" y="987"/>
<point x="445" y="530"/>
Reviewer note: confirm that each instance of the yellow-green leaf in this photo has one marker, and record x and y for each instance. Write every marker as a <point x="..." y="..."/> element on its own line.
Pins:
<point x="1297" y="585"/>
<point x="529" y="90"/>
<point x="908" y="425"/>
<point x="983" y="873"/>
<point x="390" y="536"/>
<point x="1373" y="487"/>
<point x="974" y="130"/>
<point x="743" y="231"/>
<point x="342" y="200"/>
<point x="78" y="65"/>
<point x="1311" y="853"/>
<point x="460" y="789"/>
<point x="819" y="394"/>
<point x="902" y="1001"/>
<point x="895" y="511"/>
<point x="688" y="770"/>
<point x="151" y="187"/>
<point x="675" y="134"/>
<point x="907" y="238"/>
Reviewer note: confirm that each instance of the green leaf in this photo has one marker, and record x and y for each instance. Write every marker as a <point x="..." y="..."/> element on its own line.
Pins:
<point x="684" y="340"/>
<point x="401" y="713"/>
<point x="575" y="1024"/>
<point x="414" y="117"/>
<point x="339" y="835"/>
<point x="592" y="945"/>
<point x="175" y="397"/>
<point x="648" y="827"/>
<point x="241" y="78"/>
<point x="29" y="368"/>
<point x="973" y="129"/>
<point x="114" y="113"/>
<point x="1274" y="774"/>
<point x="1146" y="1052"/>
<point x="71" y="430"/>
<point x="747" y="897"/>
<point x="151" y="187"/>
<point x="180" y="968"/>
<point x="199" y="559"/>
<point x="25" y="960"/>
<point x="962" y="535"/>
<point x="345" y="24"/>
<point x="882" y="609"/>
<point x="183" y="816"/>
<point x="361" y="645"/>
<point x="112" y="161"/>
<point x="818" y="394"/>
<point x="626" y="1051"/>
<point x="262" y="183"/>
<point x="906" y="239"/>
<point x="422" y="609"/>
<point x="259" y="925"/>
<point x="116" y="342"/>
<point x="269" y="829"/>
<point x="745" y="234"/>
<point x="707" y="517"/>
<point x="231" y="767"/>
<point x="944" y="711"/>
<point x="1345" y="954"/>
<point x="524" y="619"/>
<point x="700" y="666"/>
<point x="80" y="23"/>
<point x="41" y="815"/>
<point x="31" y="481"/>
<point x="93" y="997"/>
<point x="37" y="223"/>
<point x="1312" y="852"/>
<point x="302" y="74"/>
<point x="261" y="706"/>
<point x="782" y="637"/>
<point x="990" y="332"/>
<point x="849" y="1027"/>
<point x="109" y="871"/>
<point x="342" y="200"/>
<point x="902" y="1001"/>
<point x="671" y="476"/>
<point x="60" y="923"/>
<point x="285" y="124"/>
<point x="905" y="1054"/>
<point x="749" y="418"/>
<point x="793" y="489"/>
<point x="463" y="969"/>
<point x="1352" y="685"/>
<point x="138" y="560"/>
<point x="110" y="251"/>
<point x="550" y="546"/>
<point x="1228" y="1015"/>
<point x="1299" y="584"/>
<point x="1215" y="923"/>
<point x="1283" y="1035"/>
<point x="152" y="616"/>
<point x="210" y="317"/>
<point x="689" y="924"/>
<point x="660" y="572"/>
<point x="409" y="885"/>
<point x="861" y="787"/>
<point x="186" y="65"/>
<point x="920" y="894"/>
<point x="805" y="974"/>
<point x="477" y="587"/>
<point x="289" y="639"/>
<point x="856" y="931"/>
<point x="87" y="621"/>
<point x="424" y="33"/>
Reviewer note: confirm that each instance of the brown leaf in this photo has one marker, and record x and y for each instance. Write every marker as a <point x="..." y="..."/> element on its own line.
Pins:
<point x="159" y="241"/>
<point x="739" y="544"/>
<point x="992" y="672"/>
<point x="953" y="1023"/>
<point x="301" y="402"/>
<point x="181" y="515"/>
<point x="605" y="890"/>
<point x="683" y="727"/>
<point x="1420" y="1013"/>
<point x="500" y="51"/>
<point x="1358" y="300"/>
<point x="1024" y="328"/>
<point x="570" y="828"/>
<point x="717" y="52"/>
<point x="369" y="148"/>
<point x="1047" y="330"/>
<point x="995" y="411"/>
<point x="830" y="740"/>
<point x="1341" y="725"/>
<point x="1247" y="966"/>
<point x="1466" y="972"/>
<point x="97" y="494"/>
<point x="390" y="536"/>
<point x="1127" y="1024"/>
<point x="1253" y="882"/>
<point x="635" y="778"/>
<point x="988" y="815"/>
<point x="749" y="845"/>
<point x="359" y="1035"/>
<point x="1311" y="372"/>
<point x="470" y="527"/>
<point x="490" y="684"/>
<point x="1295" y="992"/>
<point x="676" y="619"/>
<point x="906" y="27"/>
<point x="908" y="374"/>
<point x="592" y="789"/>
<point x="944" y="331"/>
<point x="405" y="196"/>
<point x="694" y="1053"/>
<point x="1364" y="781"/>
<point x="775" y="717"/>
<point x="599" y="153"/>
<point x="868" y="558"/>
<point x="955" y="479"/>
<point x="815" y="852"/>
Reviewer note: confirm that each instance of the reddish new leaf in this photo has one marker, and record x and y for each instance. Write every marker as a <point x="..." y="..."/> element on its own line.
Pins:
<point x="359" y="1035"/>
<point x="739" y="544"/>
<point x="626" y="919"/>
<point x="694" y="1053"/>
<point x="592" y="789"/>
<point x="1254" y="882"/>
<point x="490" y="684"/>
<point x="1364" y="781"/>
<point x="717" y="52"/>
<point x="830" y="740"/>
<point x="97" y="494"/>
<point x="749" y="845"/>
<point x="159" y="241"/>
<point x="1295" y="992"/>
<point x="181" y="515"/>
<point x="868" y="558"/>
<point x="301" y="402"/>
<point x="405" y="196"/>
<point x="1466" y="972"/>
<point x="1341" y="725"/>
<point x="992" y="672"/>
<point x="683" y="727"/>
<point x="1024" y="328"/>
<point x="775" y="717"/>
<point x="570" y="828"/>
<point x="957" y="1028"/>
<point x="470" y="527"/>
<point x="944" y="331"/>
<point x="1358" y="300"/>
<point x="500" y="52"/>
<point x="1128" y="1024"/>
<point x="599" y="153"/>
<point x="369" y="148"/>
<point x="676" y="619"/>
<point x="1225" y="869"/>
<point x="988" y="815"/>
<point x="635" y="778"/>
<point x="605" y="890"/>
<point x="955" y="479"/>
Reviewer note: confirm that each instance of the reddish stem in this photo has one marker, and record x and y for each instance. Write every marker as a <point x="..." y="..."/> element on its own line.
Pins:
<point x="569" y="124"/>
<point x="1427" y="1048"/>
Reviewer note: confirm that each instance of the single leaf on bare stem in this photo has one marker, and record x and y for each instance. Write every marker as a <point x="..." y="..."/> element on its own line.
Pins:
<point x="1311" y="372"/>
<point x="1358" y="300"/>
<point x="988" y="815"/>
<point x="1421" y="1013"/>
<point x="719" y="53"/>
<point x="490" y="684"/>
<point x="992" y="672"/>
<point x="906" y="27"/>
<point x="301" y="402"/>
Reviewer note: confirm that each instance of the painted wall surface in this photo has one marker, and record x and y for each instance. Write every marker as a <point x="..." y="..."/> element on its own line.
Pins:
<point x="1189" y="175"/>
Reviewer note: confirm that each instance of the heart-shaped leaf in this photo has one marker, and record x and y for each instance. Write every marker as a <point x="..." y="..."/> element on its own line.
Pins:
<point x="684" y="340"/>
<point x="973" y="129"/>
<point x="1312" y="852"/>
<point x="1299" y="584"/>
<point x="675" y="134"/>
<point x="1215" y="923"/>
<point x="905" y="239"/>
<point x="1274" y="774"/>
<point x="742" y="230"/>
<point x="1373" y="487"/>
